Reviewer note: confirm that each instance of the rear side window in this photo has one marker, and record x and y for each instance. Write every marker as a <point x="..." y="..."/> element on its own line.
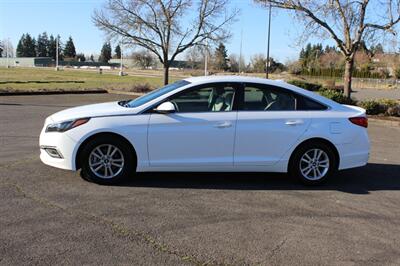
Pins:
<point x="269" y="98"/>
<point x="306" y="104"/>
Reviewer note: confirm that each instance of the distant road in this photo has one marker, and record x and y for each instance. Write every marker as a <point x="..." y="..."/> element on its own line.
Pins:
<point x="366" y="94"/>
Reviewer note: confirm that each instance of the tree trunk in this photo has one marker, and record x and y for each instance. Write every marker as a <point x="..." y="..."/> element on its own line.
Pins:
<point x="166" y="72"/>
<point x="348" y="73"/>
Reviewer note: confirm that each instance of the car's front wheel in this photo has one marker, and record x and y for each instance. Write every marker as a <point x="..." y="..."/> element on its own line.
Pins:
<point x="106" y="160"/>
<point x="313" y="163"/>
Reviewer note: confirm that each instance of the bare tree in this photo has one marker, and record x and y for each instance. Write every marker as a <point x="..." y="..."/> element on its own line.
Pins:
<point x="7" y="48"/>
<point x="347" y="22"/>
<point x="195" y="57"/>
<point x="143" y="58"/>
<point x="165" y="27"/>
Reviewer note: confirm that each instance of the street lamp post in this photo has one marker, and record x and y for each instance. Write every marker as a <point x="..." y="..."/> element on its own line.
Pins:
<point x="121" y="70"/>
<point x="268" y="41"/>
<point x="240" y="52"/>
<point x="206" y="60"/>
<point x="7" y="51"/>
<point x="57" y="53"/>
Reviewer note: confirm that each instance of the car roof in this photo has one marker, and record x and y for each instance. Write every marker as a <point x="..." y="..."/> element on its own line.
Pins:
<point x="232" y="78"/>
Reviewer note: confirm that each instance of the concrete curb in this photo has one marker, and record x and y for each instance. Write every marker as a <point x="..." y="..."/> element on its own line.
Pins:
<point x="125" y="93"/>
<point x="24" y="93"/>
<point x="384" y="122"/>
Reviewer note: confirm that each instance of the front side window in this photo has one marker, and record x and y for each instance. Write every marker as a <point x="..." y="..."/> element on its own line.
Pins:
<point x="156" y="93"/>
<point x="268" y="99"/>
<point x="218" y="98"/>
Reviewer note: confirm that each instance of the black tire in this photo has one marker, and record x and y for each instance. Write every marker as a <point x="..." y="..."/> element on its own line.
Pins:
<point x="295" y="164"/>
<point x="129" y="160"/>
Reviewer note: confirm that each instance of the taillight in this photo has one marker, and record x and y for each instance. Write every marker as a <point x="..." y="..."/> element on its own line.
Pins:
<point x="359" y="121"/>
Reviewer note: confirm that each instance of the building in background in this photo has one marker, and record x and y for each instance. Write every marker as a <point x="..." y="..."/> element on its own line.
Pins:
<point x="26" y="61"/>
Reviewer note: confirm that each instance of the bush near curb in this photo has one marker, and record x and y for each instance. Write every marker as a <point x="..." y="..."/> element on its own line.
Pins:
<point x="383" y="106"/>
<point x="372" y="107"/>
<point x="336" y="96"/>
<point x="141" y="88"/>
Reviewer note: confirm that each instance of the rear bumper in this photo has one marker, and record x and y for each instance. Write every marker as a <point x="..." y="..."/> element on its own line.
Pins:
<point x="354" y="154"/>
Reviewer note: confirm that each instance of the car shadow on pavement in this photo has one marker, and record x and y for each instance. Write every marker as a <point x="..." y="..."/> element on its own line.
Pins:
<point x="371" y="177"/>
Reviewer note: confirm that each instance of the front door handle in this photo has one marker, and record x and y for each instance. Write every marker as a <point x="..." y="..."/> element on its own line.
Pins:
<point x="223" y="124"/>
<point x="294" y="122"/>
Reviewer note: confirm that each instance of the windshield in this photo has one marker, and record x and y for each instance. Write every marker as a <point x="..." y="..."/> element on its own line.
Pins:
<point x="156" y="93"/>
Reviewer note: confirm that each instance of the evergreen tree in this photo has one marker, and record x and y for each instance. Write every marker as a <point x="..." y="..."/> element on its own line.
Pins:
<point x="310" y="55"/>
<point x="105" y="54"/>
<point x="20" y="46"/>
<point x="221" y="58"/>
<point x="42" y="45"/>
<point x="378" y="49"/>
<point x="1" y="49"/>
<point x="52" y="47"/>
<point x="81" y="57"/>
<point x="26" y="46"/>
<point x="117" y="52"/>
<point x="69" y="49"/>
<point x="91" y="58"/>
<point x="29" y="46"/>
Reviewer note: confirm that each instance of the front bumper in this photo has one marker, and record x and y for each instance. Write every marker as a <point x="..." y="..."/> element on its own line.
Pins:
<point x="63" y="144"/>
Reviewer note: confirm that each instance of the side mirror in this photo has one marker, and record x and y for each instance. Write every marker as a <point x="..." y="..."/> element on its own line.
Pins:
<point x="165" y="108"/>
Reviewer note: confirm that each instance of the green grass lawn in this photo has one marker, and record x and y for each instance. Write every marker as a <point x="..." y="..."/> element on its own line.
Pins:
<point x="47" y="79"/>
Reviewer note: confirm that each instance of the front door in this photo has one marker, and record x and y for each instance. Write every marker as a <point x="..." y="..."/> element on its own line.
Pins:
<point x="200" y="133"/>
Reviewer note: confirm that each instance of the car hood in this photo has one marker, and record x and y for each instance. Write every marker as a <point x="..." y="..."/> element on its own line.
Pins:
<point x="92" y="110"/>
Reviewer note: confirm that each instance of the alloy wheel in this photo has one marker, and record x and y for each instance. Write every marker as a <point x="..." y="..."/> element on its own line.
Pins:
<point x="314" y="164"/>
<point x="106" y="161"/>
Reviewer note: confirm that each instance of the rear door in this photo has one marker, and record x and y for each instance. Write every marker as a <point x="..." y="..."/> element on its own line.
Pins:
<point x="268" y="124"/>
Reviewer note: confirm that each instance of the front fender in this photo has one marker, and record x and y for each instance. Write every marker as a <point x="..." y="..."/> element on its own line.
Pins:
<point x="133" y="128"/>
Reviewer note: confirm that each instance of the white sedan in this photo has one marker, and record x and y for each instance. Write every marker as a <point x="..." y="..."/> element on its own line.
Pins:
<point x="216" y="123"/>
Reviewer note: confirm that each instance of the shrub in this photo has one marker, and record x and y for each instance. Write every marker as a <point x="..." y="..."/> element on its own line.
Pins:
<point x="305" y="85"/>
<point x="397" y="72"/>
<point x="336" y="96"/>
<point x="388" y="103"/>
<point x="372" y="107"/>
<point x="384" y="73"/>
<point x="141" y="88"/>
<point x="393" y="111"/>
<point x="381" y="106"/>
<point x="294" y="68"/>
<point x="330" y="84"/>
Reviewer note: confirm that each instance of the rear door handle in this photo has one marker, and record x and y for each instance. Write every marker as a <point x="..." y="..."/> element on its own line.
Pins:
<point x="294" y="122"/>
<point x="223" y="124"/>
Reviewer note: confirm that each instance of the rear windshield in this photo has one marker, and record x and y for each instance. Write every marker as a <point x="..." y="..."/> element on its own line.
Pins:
<point x="156" y="93"/>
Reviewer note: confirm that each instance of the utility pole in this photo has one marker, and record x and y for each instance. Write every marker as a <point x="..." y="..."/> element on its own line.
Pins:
<point x="268" y="42"/>
<point x="57" y="53"/>
<point x="240" y="53"/>
<point x="121" y="71"/>
<point x="7" y="51"/>
<point x="206" y="60"/>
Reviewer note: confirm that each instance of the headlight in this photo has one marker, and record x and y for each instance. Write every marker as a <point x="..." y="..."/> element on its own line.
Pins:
<point x="66" y="125"/>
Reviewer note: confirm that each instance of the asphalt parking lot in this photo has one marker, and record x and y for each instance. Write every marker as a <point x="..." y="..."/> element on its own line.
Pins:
<point x="51" y="216"/>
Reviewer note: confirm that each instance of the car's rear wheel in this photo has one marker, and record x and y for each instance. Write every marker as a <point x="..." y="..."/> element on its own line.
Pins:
<point x="106" y="160"/>
<point x="313" y="163"/>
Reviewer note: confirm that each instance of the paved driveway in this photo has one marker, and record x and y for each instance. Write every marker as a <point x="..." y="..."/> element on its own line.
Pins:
<point x="370" y="94"/>
<point x="51" y="216"/>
